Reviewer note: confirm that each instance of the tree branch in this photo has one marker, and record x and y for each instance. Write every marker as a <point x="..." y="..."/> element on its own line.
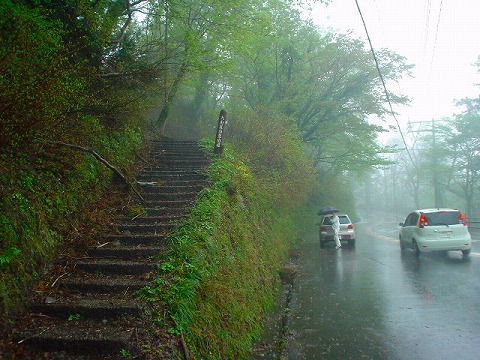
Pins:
<point x="104" y="162"/>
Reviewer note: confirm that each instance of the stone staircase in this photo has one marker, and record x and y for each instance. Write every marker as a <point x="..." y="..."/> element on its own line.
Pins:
<point x="93" y="312"/>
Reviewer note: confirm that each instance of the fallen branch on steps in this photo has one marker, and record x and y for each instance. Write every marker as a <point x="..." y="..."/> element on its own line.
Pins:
<point x="104" y="162"/>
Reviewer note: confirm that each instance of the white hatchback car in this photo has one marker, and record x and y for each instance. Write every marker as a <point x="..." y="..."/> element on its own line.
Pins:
<point x="429" y="230"/>
<point x="347" y="230"/>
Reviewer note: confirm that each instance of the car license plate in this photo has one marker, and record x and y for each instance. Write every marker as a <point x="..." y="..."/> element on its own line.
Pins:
<point x="445" y="234"/>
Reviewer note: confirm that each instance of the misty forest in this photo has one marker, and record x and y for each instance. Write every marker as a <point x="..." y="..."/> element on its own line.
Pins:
<point x="306" y="107"/>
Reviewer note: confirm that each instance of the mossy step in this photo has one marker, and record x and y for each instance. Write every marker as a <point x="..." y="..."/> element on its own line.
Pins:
<point x="173" y="164"/>
<point x="179" y="204"/>
<point x="135" y="239"/>
<point x="174" y="189"/>
<point x="99" y="339"/>
<point x="171" y="182"/>
<point x="126" y="252"/>
<point x="163" y="211"/>
<point x="159" y="228"/>
<point x="170" y="179"/>
<point x="170" y="189"/>
<point x="167" y="218"/>
<point x="177" y="144"/>
<point x="89" y="309"/>
<point x="158" y="196"/>
<point x="172" y="175"/>
<point x="189" y="155"/>
<point x="181" y="159"/>
<point x="104" y="285"/>
<point x="176" y="181"/>
<point x="183" y="149"/>
<point x="120" y="267"/>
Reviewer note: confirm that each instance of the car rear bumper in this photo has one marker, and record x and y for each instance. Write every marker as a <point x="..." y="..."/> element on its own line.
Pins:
<point x="444" y="245"/>
<point x="329" y="237"/>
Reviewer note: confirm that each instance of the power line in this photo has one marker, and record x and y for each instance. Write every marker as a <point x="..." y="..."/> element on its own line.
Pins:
<point x="427" y="27"/>
<point x="436" y="37"/>
<point x="384" y="85"/>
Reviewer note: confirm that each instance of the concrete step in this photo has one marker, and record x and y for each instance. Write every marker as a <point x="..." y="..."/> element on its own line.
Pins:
<point x="177" y="149"/>
<point x="103" y="285"/>
<point x="178" y="204"/>
<point x="186" y="155"/>
<point x="116" y="267"/>
<point x="173" y="189"/>
<point x="161" y="211"/>
<point x="72" y="338"/>
<point x="181" y="144"/>
<point x="179" y="182"/>
<point x="99" y="309"/>
<point x="167" y="218"/>
<point x="160" y="228"/>
<point x="125" y="252"/>
<point x="133" y="239"/>
<point x="166" y="175"/>
<point x="158" y="196"/>
<point x="161" y="160"/>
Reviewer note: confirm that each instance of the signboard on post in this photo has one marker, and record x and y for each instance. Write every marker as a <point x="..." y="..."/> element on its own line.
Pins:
<point x="222" y="121"/>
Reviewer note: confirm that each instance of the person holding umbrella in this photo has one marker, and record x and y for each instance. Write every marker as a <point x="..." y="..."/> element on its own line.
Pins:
<point x="335" y="220"/>
<point x="336" y="228"/>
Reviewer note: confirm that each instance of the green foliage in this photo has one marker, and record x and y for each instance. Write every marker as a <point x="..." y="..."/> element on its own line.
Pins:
<point x="125" y="353"/>
<point x="275" y="153"/>
<point x="73" y="317"/>
<point x="36" y="85"/>
<point x="9" y="254"/>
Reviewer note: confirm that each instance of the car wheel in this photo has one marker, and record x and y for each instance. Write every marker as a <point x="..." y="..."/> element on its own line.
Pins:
<point x="466" y="252"/>
<point x="322" y="244"/>
<point x="402" y="245"/>
<point x="416" y="250"/>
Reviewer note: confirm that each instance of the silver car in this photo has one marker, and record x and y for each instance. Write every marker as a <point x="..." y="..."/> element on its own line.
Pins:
<point x="429" y="230"/>
<point x="347" y="230"/>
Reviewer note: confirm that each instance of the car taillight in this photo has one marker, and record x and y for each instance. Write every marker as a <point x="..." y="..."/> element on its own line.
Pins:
<point x="323" y="228"/>
<point x="462" y="218"/>
<point x="423" y="219"/>
<point x="350" y="226"/>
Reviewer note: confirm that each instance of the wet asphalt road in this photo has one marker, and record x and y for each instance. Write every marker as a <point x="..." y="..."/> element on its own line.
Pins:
<point x="372" y="302"/>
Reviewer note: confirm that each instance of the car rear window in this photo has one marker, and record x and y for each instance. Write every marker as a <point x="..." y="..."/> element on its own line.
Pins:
<point x="343" y="220"/>
<point x="442" y="218"/>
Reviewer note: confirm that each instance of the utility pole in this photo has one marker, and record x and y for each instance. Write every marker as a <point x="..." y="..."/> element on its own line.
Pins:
<point x="436" y="184"/>
<point x="438" y="199"/>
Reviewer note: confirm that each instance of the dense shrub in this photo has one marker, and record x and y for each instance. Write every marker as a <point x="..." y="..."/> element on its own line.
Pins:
<point x="273" y="148"/>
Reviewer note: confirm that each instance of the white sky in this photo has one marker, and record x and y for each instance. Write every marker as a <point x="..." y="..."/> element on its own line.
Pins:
<point x="444" y="68"/>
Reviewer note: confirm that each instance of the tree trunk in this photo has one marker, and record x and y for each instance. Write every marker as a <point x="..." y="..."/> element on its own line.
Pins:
<point x="163" y="117"/>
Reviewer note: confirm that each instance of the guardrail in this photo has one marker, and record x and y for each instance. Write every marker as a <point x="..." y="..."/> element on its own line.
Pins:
<point x="473" y="223"/>
<point x="476" y="225"/>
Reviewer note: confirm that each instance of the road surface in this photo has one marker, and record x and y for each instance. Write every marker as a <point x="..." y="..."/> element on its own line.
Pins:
<point x="372" y="302"/>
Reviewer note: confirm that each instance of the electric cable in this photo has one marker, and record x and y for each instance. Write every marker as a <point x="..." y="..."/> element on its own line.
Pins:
<point x="427" y="26"/>
<point x="435" y="40"/>
<point x="384" y="84"/>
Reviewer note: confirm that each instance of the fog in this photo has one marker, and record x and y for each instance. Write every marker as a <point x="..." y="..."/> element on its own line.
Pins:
<point x="439" y="37"/>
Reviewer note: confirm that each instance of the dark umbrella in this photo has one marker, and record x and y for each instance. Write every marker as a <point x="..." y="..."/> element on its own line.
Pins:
<point x="327" y="210"/>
